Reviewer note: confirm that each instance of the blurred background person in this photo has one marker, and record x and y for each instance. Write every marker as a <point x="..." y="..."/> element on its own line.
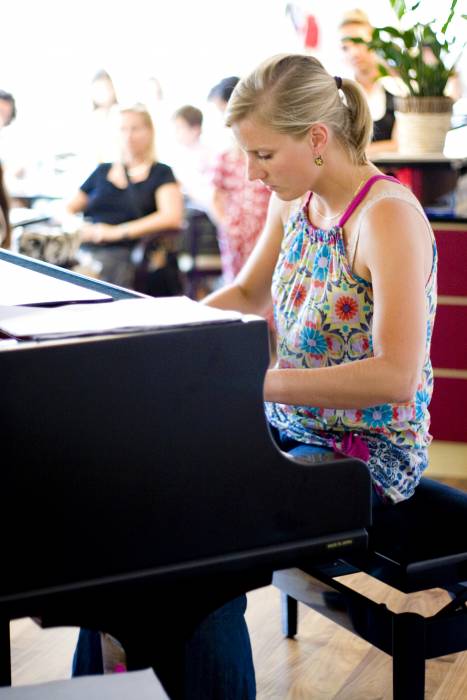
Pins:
<point x="148" y="90"/>
<point x="152" y="96"/>
<point x="220" y="137"/>
<point x="7" y="108"/>
<point x="7" y="150"/>
<point x="220" y="93"/>
<point x="4" y="218"/>
<point x="127" y="199"/>
<point x="364" y="65"/>
<point x="239" y="205"/>
<point x="101" y="131"/>
<point x="7" y="115"/>
<point x="192" y="158"/>
<point x="193" y="161"/>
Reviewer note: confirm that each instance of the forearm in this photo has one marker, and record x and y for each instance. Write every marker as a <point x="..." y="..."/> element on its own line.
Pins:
<point x="236" y="297"/>
<point x="158" y="221"/>
<point x="358" y="384"/>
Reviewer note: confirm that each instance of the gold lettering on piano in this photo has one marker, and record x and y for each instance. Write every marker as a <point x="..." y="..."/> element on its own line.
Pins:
<point x="339" y="543"/>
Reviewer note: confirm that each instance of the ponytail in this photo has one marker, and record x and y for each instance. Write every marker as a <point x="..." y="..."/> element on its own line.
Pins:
<point x="360" y="125"/>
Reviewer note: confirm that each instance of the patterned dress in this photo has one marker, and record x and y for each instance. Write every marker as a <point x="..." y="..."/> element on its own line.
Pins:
<point x="323" y="314"/>
<point x="245" y="212"/>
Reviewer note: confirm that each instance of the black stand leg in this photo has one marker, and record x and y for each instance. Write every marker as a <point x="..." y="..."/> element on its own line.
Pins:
<point x="408" y="656"/>
<point x="289" y="615"/>
<point x="5" y="656"/>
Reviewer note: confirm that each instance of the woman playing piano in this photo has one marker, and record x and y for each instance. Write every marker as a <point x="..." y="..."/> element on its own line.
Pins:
<point x="349" y="260"/>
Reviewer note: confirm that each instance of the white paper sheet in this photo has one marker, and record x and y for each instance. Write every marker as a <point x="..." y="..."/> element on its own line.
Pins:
<point x="20" y="285"/>
<point x="116" y="316"/>
<point x="137" y="685"/>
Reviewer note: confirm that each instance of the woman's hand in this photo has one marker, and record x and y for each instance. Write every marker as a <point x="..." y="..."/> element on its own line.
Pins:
<point x="101" y="233"/>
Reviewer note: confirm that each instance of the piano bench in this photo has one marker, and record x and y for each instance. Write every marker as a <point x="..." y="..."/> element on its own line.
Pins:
<point x="419" y="544"/>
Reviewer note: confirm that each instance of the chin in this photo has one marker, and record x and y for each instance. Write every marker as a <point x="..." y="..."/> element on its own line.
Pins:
<point x="289" y="195"/>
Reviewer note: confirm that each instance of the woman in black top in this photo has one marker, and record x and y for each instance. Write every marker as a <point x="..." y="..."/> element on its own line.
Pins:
<point x="364" y="63"/>
<point x="126" y="200"/>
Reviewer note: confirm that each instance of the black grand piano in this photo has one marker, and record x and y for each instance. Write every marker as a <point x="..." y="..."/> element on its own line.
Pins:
<point x="140" y="479"/>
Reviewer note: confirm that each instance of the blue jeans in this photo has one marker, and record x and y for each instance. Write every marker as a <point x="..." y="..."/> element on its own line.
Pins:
<point x="218" y="662"/>
<point x="301" y="449"/>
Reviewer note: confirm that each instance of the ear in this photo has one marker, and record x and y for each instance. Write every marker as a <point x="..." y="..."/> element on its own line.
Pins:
<point x="318" y="137"/>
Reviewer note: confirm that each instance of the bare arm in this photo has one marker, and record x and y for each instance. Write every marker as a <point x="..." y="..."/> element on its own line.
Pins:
<point x="78" y="203"/>
<point x="396" y="249"/>
<point x="251" y="290"/>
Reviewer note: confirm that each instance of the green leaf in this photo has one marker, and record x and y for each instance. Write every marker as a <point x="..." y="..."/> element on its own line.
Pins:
<point x="450" y="16"/>
<point x="420" y="54"/>
<point x="399" y="7"/>
<point x="383" y="71"/>
<point x="392" y="31"/>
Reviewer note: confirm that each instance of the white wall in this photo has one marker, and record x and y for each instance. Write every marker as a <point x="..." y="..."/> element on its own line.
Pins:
<point x="50" y="49"/>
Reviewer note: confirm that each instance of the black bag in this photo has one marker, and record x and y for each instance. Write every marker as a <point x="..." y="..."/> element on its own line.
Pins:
<point x="164" y="281"/>
<point x="157" y="272"/>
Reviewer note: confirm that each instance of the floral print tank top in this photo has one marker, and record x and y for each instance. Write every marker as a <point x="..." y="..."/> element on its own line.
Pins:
<point x="323" y="314"/>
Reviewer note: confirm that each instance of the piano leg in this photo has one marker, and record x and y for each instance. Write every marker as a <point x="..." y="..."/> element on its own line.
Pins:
<point x="289" y="614"/>
<point x="5" y="655"/>
<point x="408" y="656"/>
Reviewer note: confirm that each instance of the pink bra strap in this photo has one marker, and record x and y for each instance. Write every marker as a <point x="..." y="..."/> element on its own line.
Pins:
<point x="361" y="195"/>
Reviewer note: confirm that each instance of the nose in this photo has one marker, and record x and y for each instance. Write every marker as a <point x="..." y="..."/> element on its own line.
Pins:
<point x="254" y="170"/>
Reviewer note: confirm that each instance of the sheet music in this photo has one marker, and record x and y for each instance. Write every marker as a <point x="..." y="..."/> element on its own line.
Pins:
<point x="20" y="285"/>
<point x="117" y="316"/>
<point x="141" y="685"/>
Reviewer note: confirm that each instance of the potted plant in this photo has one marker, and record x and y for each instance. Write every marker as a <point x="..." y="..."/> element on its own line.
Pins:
<point x="420" y="55"/>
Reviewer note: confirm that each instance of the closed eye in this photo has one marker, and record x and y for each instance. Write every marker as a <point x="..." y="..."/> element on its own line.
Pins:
<point x="264" y="156"/>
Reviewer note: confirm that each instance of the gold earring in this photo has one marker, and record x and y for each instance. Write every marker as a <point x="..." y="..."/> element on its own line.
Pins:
<point x="319" y="161"/>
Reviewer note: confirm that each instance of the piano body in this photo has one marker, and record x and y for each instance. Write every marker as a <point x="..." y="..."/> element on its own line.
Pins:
<point x="139" y="474"/>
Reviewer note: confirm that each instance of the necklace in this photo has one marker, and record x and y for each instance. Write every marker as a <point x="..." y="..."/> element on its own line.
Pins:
<point x="335" y="216"/>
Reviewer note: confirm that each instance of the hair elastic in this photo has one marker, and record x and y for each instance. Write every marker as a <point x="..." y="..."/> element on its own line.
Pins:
<point x="338" y="81"/>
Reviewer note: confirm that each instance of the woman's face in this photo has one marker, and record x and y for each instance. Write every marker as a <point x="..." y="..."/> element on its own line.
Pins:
<point x="282" y="163"/>
<point x="358" y="56"/>
<point x="135" y="134"/>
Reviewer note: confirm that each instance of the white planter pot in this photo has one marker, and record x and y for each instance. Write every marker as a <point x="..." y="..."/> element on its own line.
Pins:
<point x="419" y="133"/>
<point x="422" y="124"/>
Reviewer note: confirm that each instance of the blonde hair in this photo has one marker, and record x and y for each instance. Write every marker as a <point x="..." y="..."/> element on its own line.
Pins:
<point x="142" y="110"/>
<point x="291" y="92"/>
<point x="355" y="16"/>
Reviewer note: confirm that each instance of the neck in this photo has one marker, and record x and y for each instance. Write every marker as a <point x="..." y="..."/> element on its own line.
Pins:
<point x="331" y="198"/>
<point x="134" y="161"/>
<point x="367" y="78"/>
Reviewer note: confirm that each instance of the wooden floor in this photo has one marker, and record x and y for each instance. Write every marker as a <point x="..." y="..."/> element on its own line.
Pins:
<point x="324" y="662"/>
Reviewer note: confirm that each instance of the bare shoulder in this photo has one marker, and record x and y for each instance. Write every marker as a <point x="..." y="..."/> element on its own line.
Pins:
<point x="392" y="190"/>
<point x="391" y="206"/>
<point x="394" y="223"/>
